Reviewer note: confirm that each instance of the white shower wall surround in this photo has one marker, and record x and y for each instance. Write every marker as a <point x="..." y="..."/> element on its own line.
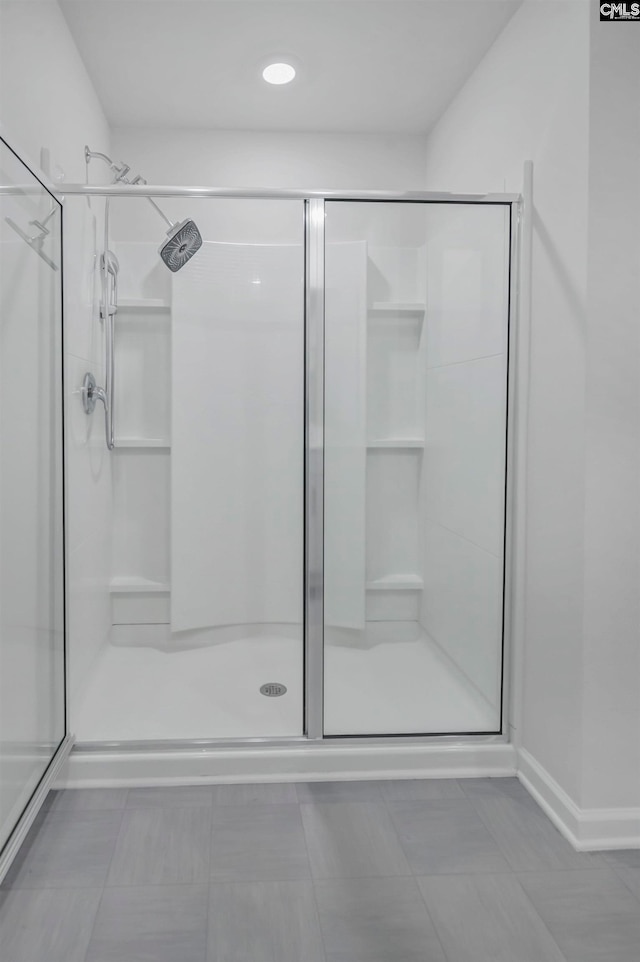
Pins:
<point x="237" y="400"/>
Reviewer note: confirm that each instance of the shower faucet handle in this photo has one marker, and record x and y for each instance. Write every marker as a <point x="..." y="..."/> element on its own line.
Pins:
<point x="91" y="394"/>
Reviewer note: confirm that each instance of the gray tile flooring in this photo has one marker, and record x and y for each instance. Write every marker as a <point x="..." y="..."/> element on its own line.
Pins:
<point x="397" y="871"/>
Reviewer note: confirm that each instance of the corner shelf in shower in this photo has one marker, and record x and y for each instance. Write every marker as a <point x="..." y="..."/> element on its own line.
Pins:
<point x="396" y="443"/>
<point x="134" y="585"/>
<point x="415" y="308"/>
<point x="133" y="444"/>
<point x="406" y="582"/>
<point x="144" y="305"/>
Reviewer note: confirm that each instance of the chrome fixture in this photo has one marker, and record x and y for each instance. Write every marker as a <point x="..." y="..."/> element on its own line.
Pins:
<point x="273" y="689"/>
<point x="183" y="238"/>
<point x="37" y="241"/>
<point x="91" y="392"/>
<point x="108" y="310"/>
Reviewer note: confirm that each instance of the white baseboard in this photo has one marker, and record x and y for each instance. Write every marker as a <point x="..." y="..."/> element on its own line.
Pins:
<point x="304" y="762"/>
<point x="587" y="829"/>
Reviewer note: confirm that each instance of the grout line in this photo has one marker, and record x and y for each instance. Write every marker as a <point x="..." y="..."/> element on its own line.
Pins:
<point x="590" y="865"/>
<point x="145" y="885"/>
<point x="616" y="871"/>
<point x="315" y="899"/>
<point x="311" y="875"/>
<point x="209" y="894"/>
<point x="499" y="873"/>
<point x="445" y="954"/>
<point x="106" y="876"/>
<point x="115" y="844"/>
<point x="93" y="925"/>
<point x="542" y="921"/>
<point x="491" y="835"/>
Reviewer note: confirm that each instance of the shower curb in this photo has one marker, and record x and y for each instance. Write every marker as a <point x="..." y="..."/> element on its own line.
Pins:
<point x="97" y="766"/>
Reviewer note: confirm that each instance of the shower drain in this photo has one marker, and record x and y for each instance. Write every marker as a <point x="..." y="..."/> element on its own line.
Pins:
<point x="272" y="689"/>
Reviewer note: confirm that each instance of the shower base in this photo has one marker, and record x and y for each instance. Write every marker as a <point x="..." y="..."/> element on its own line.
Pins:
<point x="141" y="688"/>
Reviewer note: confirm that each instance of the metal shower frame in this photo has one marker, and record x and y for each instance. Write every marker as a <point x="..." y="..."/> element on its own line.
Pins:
<point x="61" y="751"/>
<point x="314" y="233"/>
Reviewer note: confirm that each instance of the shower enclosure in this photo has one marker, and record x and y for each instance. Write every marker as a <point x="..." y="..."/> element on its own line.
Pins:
<point x="311" y="484"/>
<point x="33" y="729"/>
<point x="415" y="446"/>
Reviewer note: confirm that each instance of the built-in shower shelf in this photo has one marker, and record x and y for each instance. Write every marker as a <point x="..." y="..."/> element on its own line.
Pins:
<point x="133" y="444"/>
<point x="133" y="585"/>
<point x="408" y="582"/>
<point x="144" y="305"/>
<point x="396" y="443"/>
<point x="397" y="307"/>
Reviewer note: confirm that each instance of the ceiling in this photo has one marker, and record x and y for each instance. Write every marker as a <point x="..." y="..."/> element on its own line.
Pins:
<point x="364" y="66"/>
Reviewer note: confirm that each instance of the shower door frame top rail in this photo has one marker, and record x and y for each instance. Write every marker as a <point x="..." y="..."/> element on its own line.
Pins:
<point x="314" y="245"/>
<point x="161" y="190"/>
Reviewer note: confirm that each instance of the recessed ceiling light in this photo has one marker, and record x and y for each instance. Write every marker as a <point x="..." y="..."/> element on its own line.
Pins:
<point x="279" y="73"/>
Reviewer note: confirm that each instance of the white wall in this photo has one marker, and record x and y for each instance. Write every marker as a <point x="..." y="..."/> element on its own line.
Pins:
<point x="255" y="159"/>
<point x="611" y="696"/>
<point x="538" y="95"/>
<point x="231" y="158"/>
<point x="528" y="99"/>
<point x="47" y="101"/>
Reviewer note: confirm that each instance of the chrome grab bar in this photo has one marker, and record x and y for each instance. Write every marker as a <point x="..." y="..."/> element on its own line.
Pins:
<point x="108" y="312"/>
<point x="91" y="393"/>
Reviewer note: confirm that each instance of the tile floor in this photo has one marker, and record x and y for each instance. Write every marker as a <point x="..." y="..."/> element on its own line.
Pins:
<point x="396" y="871"/>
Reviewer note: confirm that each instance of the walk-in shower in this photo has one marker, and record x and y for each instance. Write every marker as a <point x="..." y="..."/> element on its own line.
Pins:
<point x="309" y="478"/>
<point x="310" y="464"/>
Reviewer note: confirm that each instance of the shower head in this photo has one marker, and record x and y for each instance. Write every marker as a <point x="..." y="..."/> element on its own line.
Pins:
<point x="183" y="240"/>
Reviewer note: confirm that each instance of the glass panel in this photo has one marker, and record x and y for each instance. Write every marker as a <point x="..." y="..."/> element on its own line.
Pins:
<point x="207" y="568"/>
<point x="415" y="438"/>
<point x="32" y="720"/>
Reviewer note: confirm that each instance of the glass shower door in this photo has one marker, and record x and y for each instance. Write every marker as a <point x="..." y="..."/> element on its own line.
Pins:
<point x="208" y="481"/>
<point x="416" y="338"/>
<point x="32" y="670"/>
